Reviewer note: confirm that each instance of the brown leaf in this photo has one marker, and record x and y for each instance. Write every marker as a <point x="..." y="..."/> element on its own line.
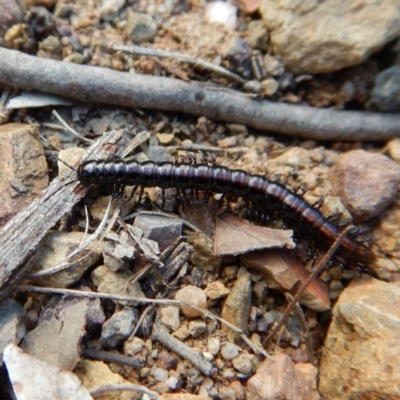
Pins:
<point x="234" y="235"/>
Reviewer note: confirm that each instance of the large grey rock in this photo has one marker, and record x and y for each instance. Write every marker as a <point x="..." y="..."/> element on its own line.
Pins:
<point x="323" y="36"/>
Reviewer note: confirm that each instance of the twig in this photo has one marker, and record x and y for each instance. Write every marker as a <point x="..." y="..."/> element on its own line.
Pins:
<point x="69" y="129"/>
<point x="161" y="335"/>
<point x="198" y="62"/>
<point x="106" y="356"/>
<point x="100" y="231"/>
<point x="110" y="389"/>
<point x="298" y="312"/>
<point x="94" y="84"/>
<point x="135" y="300"/>
<point x="21" y="236"/>
<point x="315" y="272"/>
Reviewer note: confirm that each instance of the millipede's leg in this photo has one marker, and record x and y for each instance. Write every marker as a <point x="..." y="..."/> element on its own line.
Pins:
<point x="317" y="204"/>
<point x="182" y="197"/>
<point x="192" y="158"/>
<point x="130" y="197"/>
<point x="206" y="197"/>
<point x="140" y="194"/>
<point x="213" y="160"/>
<point x="354" y="231"/>
<point x="204" y="158"/>
<point x="301" y="189"/>
<point x="312" y="253"/>
<point x="275" y="178"/>
<point x="117" y="191"/>
<point x="220" y="202"/>
<point x="333" y="216"/>
<point x="162" y="198"/>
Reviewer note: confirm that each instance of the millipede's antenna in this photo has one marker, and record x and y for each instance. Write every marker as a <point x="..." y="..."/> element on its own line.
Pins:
<point x="66" y="164"/>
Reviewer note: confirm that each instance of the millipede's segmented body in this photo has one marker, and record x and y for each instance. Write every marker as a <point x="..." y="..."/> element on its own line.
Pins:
<point x="257" y="189"/>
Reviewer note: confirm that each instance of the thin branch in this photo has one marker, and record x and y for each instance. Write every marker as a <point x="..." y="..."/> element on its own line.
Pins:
<point x="161" y="335"/>
<point x="197" y="62"/>
<point x="100" y="231"/>
<point x="102" y="391"/>
<point x="69" y="129"/>
<point x="315" y="272"/>
<point x="135" y="300"/>
<point x="94" y="84"/>
<point x="298" y="312"/>
<point x="107" y="356"/>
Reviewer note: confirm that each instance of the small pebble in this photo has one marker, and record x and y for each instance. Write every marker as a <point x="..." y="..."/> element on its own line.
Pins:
<point x="118" y="327"/>
<point x="10" y="15"/>
<point x="170" y="317"/>
<point x="197" y="328"/>
<point x="167" y="360"/>
<point x="393" y="148"/>
<point x="222" y="13"/>
<point x="216" y="290"/>
<point x="386" y="92"/>
<point x="273" y="66"/>
<point x="133" y="346"/>
<point x="213" y="345"/>
<point x="243" y="363"/>
<point x="252" y="86"/>
<point x="270" y="86"/>
<point x="229" y="351"/>
<point x="160" y="374"/>
<point x="208" y="383"/>
<point x="141" y="28"/>
<point x="229" y="373"/>
<point x="172" y="382"/>
<point x="257" y="35"/>
<point x="194" y="296"/>
<point x="239" y="56"/>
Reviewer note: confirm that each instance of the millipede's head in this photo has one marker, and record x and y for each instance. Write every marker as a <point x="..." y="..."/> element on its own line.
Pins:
<point x="85" y="172"/>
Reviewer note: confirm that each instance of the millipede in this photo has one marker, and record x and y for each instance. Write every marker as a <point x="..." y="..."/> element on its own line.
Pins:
<point x="261" y="192"/>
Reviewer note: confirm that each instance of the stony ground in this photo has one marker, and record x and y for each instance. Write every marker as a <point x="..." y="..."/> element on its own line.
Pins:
<point x="180" y="301"/>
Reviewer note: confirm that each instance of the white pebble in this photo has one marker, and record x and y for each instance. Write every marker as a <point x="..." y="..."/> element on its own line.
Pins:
<point x="229" y="351"/>
<point x="172" y="381"/>
<point x="221" y="12"/>
<point x="213" y="345"/>
<point x="161" y="374"/>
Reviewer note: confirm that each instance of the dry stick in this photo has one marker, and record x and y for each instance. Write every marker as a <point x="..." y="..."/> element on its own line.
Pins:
<point x="134" y="300"/>
<point x="69" y="129"/>
<point x="198" y="62"/>
<point x="104" y="390"/>
<point x="161" y="335"/>
<point x="106" y="356"/>
<point x="319" y="267"/>
<point x="94" y="84"/>
<point x="71" y="259"/>
<point x="298" y="312"/>
<point x="21" y="236"/>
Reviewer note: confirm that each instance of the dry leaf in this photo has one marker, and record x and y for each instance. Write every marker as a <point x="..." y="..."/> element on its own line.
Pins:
<point x="234" y="235"/>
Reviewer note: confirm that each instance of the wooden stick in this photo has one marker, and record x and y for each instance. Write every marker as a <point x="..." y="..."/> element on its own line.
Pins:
<point x="94" y="84"/>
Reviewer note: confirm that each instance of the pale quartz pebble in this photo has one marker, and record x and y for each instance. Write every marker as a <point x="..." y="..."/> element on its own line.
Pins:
<point x="213" y="345"/>
<point x="221" y="12"/>
<point x="160" y="374"/>
<point x="172" y="381"/>
<point x="229" y="351"/>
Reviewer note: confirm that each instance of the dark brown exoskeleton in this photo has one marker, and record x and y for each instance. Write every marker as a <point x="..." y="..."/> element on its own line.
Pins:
<point x="258" y="190"/>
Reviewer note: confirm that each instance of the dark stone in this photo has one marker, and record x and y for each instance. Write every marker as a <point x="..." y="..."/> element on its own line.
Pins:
<point x="386" y="93"/>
